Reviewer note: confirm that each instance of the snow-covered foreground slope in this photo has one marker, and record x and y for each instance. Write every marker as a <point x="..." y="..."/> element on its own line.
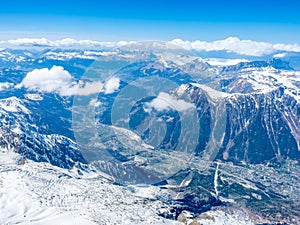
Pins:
<point x="41" y="194"/>
<point x="20" y="202"/>
<point x="38" y="193"/>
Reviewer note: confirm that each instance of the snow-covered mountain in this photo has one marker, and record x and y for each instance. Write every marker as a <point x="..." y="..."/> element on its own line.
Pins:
<point x="19" y="134"/>
<point x="260" y="108"/>
<point x="177" y="137"/>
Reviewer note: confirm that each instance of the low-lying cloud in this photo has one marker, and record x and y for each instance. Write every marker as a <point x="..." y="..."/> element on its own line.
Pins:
<point x="57" y="80"/>
<point x="47" y="80"/>
<point x="164" y="102"/>
<point x="112" y="85"/>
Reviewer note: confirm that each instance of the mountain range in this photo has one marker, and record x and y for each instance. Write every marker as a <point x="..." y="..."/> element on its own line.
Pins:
<point x="207" y="137"/>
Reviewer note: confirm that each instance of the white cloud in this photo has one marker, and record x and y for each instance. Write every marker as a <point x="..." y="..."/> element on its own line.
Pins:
<point x="234" y="44"/>
<point x="112" y="85"/>
<point x="5" y="85"/>
<point x="57" y="80"/>
<point x="287" y="47"/>
<point x="82" y="89"/>
<point x="164" y="101"/>
<point x="30" y="42"/>
<point x="94" y="103"/>
<point x="230" y="44"/>
<point x="67" y="42"/>
<point x="45" y="80"/>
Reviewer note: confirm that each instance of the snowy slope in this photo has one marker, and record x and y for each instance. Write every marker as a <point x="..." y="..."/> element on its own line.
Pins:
<point x="19" y="133"/>
<point x="38" y="193"/>
<point x="41" y="194"/>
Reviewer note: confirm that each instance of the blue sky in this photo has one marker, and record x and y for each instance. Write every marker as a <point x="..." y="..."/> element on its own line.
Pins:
<point x="273" y="21"/>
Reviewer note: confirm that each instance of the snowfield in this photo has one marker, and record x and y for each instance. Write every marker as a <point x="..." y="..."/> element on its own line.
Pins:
<point x="38" y="193"/>
<point x="41" y="194"/>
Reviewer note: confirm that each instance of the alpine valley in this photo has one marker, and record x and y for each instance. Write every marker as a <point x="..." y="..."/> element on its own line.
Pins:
<point x="148" y="133"/>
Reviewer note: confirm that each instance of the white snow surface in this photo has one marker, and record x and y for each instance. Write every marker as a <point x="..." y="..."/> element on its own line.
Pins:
<point x="5" y="85"/>
<point x="40" y="194"/>
<point x="13" y="104"/>
<point x="219" y="217"/>
<point x="223" y="61"/>
<point x="212" y="93"/>
<point x="264" y="80"/>
<point x="33" y="96"/>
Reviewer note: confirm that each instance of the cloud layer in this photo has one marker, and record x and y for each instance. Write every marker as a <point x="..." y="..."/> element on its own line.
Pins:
<point x="67" y="42"/>
<point x="57" y="80"/>
<point x="230" y="44"/>
<point x="234" y="44"/>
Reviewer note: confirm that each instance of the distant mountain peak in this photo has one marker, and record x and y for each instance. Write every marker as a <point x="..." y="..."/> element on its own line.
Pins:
<point x="275" y="63"/>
